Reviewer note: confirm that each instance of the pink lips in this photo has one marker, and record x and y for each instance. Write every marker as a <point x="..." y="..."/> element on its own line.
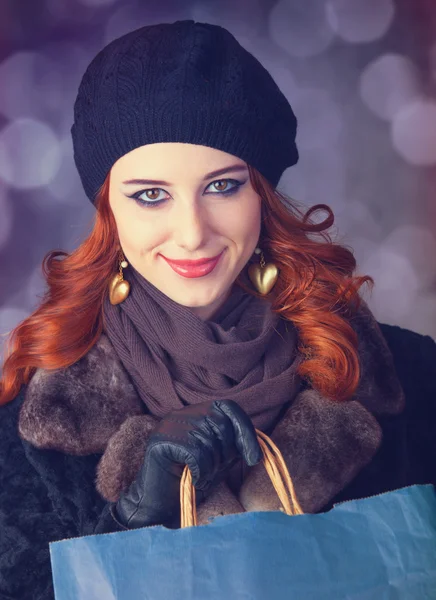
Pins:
<point x="195" y="268"/>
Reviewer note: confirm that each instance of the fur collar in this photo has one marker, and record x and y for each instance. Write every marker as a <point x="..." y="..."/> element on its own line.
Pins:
<point x="92" y="407"/>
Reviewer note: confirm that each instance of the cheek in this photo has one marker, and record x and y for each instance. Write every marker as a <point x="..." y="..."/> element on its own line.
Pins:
<point x="137" y="233"/>
<point x="245" y="220"/>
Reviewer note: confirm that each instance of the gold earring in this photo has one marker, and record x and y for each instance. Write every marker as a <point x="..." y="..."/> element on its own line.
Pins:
<point x="263" y="276"/>
<point x="119" y="288"/>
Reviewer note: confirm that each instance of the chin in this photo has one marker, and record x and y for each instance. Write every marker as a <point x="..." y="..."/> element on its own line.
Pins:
<point x="204" y="299"/>
<point x="196" y="300"/>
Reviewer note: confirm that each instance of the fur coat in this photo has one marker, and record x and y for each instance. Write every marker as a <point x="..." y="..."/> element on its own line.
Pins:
<point x="73" y="439"/>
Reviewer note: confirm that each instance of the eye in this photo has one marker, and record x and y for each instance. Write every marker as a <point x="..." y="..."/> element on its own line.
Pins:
<point x="226" y="189"/>
<point x="153" y="200"/>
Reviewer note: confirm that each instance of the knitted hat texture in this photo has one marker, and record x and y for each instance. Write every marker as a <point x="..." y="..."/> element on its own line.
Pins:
<point x="183" y="82"/>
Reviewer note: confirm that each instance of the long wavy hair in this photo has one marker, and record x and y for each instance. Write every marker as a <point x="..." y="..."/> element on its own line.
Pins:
<point x="316" y="290"/>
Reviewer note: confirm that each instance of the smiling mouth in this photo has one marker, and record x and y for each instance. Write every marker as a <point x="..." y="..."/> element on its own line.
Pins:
<point x="192" y="263"/>
<point x="196" y="268"/>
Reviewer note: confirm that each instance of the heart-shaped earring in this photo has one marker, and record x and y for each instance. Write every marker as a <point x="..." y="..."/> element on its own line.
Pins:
<point x="119" y="288"/>
<point x="263" y="276"/>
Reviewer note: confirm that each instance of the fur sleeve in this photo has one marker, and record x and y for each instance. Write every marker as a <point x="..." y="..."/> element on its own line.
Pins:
<point x="27" y="521"/>
<point x="415" y="361"/>
<point x="45" y="496"/>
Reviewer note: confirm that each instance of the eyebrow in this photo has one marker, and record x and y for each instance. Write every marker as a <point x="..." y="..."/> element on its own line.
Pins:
<point x="230" y="169"/>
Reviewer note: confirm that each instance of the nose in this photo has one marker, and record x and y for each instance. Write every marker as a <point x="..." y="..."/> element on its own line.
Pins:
<point x="190" y="225"/>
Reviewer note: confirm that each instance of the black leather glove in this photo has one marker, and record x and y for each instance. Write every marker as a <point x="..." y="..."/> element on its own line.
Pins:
<point x="208" y="437"/>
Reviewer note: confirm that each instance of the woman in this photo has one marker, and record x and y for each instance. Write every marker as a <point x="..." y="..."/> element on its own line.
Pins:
<point x="134" y="366"/>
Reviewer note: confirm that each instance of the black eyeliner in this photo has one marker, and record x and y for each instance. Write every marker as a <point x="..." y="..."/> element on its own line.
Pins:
<point x="149" y="203"/>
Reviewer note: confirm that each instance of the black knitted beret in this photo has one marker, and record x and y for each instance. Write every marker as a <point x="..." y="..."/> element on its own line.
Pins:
<point x="180" y="82"/>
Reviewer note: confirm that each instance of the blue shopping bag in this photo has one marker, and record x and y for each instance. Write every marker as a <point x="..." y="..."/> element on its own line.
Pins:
<point x="377" y="548"/>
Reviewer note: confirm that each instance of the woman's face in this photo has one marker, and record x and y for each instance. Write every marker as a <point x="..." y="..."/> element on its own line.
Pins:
<point x="188" y="217"/>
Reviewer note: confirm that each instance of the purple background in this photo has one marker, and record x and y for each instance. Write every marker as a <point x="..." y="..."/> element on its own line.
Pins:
<point x="360" y="75"/>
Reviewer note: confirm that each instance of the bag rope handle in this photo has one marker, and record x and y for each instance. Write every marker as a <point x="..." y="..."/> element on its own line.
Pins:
<point x="276" y="469"/>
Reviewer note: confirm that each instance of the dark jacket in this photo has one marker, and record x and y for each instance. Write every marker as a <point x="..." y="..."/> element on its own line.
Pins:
<point x="48" y="493"/>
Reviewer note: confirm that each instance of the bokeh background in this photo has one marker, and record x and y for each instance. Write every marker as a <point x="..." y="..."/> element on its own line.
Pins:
<point x="360" y="75"/>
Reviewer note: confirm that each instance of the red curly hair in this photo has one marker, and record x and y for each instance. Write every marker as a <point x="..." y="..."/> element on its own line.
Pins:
<point x="316" y="290"/>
